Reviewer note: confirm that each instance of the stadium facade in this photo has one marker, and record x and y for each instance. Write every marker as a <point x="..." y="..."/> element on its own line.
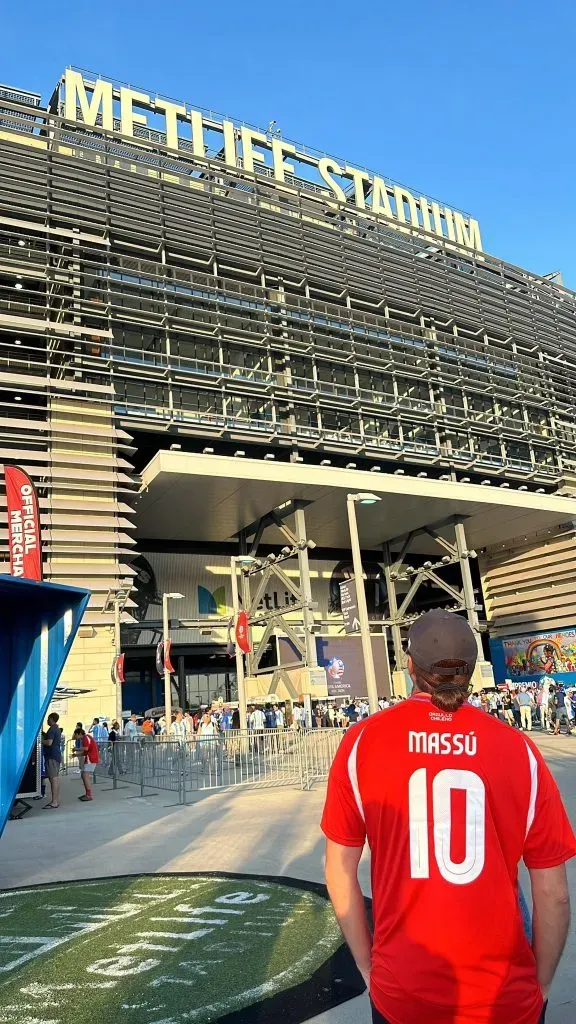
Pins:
<point x="179" y="291"/>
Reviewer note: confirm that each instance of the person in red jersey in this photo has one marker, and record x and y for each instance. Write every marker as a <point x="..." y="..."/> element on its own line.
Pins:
<point x="89" y="756"/>
<point x="449" y="800"/>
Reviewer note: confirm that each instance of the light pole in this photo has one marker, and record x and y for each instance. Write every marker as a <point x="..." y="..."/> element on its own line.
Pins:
<point x="364" y="498"/>
<point x="167" y="676"/>
<point x="235" y="561"/>
<point x="118" y="652"/>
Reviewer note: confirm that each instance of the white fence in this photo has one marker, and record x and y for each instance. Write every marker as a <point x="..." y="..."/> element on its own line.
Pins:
<point x="260" y="758"/>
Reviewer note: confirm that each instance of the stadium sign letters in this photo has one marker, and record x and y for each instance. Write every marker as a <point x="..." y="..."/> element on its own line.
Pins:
<point x="93" y="103"/>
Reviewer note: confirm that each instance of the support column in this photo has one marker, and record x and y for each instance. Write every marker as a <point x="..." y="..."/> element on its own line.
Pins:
<point x="400" y="683"/>
<point x="306" y="588"/>
<point x="483" y="674"/>
<point x="238" y="653"/>
<point x="399" y="658"/>
<point x="467" y="586"/>
<point x="245" y="598"/>
<point x="181" y="682"/>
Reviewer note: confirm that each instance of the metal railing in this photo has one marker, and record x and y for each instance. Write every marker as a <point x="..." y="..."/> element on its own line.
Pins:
<point x="259" y="758"/>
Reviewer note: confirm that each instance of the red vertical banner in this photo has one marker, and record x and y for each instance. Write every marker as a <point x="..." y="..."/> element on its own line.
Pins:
<point x="117" y="673"/>
<point x="242" y="633"/>
<point x="167" y="662"/>
<point x="163" y="657"/>
<point x="24" y="536"/>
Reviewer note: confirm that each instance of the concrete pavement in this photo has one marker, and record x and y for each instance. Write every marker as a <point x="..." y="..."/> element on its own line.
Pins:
<point x="268" y="831"/>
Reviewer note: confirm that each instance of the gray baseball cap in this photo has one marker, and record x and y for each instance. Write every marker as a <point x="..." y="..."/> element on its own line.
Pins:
<point x="439" y="636"/>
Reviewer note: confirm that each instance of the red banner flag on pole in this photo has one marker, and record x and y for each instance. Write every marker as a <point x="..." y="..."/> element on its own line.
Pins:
<point x="242" y="633"/>
<point x="167" y="662"/>
<point x="163" y="657"/>
<point x="24" y="537"/>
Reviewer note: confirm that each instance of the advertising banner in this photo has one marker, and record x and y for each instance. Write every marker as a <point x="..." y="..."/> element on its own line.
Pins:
<point x="204" y="580"/>
<point x="24" y="538"/>
<point x="341" y="656"/>
<point x="349" y="603"/>
<point x="528" y="657"/>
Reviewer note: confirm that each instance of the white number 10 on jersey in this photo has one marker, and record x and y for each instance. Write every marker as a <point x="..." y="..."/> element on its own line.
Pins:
<point x="475" y="824"/>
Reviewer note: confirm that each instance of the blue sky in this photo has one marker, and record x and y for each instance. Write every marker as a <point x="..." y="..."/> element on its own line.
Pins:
<point x="471" y="103"/>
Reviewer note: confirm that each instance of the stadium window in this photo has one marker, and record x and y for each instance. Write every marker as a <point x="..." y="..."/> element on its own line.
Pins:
<point x="544" y="457"/>
<point x="480" y="407"/>
<point x="196" y="400"/>
<point x="187" y="348"/>
<point x="518" y="453"/>
<point x="334" y="420"/>
<point x="377" y="427"/>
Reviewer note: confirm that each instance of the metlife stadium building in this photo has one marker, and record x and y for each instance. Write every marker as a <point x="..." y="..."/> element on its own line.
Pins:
<point x="201" y="323"/>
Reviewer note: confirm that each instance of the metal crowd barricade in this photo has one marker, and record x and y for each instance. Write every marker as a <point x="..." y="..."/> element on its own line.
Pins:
<point x="262" y="758"/>
<point x="319" y="748"/>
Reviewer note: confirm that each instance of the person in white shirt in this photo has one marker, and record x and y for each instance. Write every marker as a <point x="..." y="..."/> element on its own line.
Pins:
<point x="257" y="722"/>
<point x="299" y="716"/>
<point x="257" y="719"/>
<point x="178" y="728"/>
<point x="279" y="717"/>
<point x="207" y="742"/>
<point x="131" y="729"/>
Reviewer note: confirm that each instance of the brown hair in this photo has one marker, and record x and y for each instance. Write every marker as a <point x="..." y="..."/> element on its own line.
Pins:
<point x="449" y="691"/>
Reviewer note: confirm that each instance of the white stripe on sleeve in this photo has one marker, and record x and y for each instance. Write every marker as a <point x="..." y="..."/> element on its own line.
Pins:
<point x="533" y="788"/>
<point x="353" y="776"/>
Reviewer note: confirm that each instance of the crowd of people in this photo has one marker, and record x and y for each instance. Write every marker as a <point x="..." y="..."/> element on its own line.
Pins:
<point x="548" y="705"/>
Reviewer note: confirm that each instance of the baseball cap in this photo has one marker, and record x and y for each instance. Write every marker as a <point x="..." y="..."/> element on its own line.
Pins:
<point x="439" y="636"/>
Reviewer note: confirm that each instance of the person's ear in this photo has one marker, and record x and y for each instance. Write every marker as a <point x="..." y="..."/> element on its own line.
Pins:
<point x="410" y="666"/>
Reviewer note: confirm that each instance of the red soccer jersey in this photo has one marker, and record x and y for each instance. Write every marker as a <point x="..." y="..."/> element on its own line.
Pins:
<point x="90" y="749"/>
<point x="449" y="803"/>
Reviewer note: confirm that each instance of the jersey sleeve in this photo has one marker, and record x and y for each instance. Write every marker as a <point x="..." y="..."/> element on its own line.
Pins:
<point x="550" y="840"/>
<point x="342" y="821"/>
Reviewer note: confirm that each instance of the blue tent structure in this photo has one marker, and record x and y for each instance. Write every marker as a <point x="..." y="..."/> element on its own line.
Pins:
<point x="38" y="623"/>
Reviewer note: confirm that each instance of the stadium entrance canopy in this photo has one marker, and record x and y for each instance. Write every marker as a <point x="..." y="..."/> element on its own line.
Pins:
<point x="210" y="498"/>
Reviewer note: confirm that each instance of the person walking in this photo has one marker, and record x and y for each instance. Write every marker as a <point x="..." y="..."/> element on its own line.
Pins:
<point x="421" y="782"/>
<point x="494" y="704"/>
<point x="178" y="728"/>
<point x="561" y="717"/>
<point x="516" y="709"/>
<point x="207" y="742"/>
<point x="568" y="704"/>
<point x="115" y="752"/>
<point x="508" y="708"/>
<point x="89" y="758"/>
<point x="52" y="750"/>
<point x="525" y="703"/>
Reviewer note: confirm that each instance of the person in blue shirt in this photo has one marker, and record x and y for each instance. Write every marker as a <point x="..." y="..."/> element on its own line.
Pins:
<point x="98" y="732"/>
<point x="52" y="749"/>
<point x="269" y="717"/>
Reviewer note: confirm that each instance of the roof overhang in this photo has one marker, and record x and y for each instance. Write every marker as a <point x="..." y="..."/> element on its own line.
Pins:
<point x="211" y="498"/>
